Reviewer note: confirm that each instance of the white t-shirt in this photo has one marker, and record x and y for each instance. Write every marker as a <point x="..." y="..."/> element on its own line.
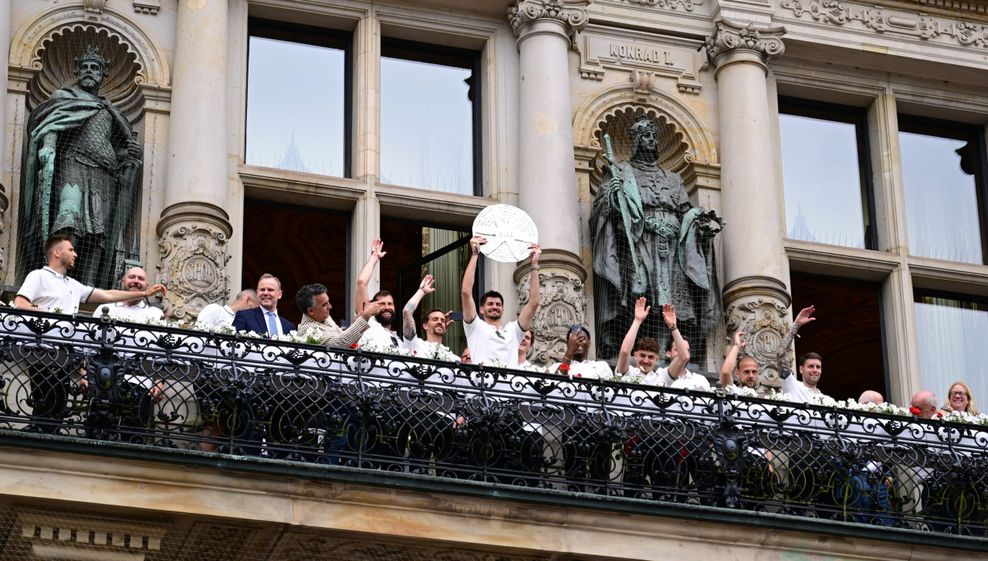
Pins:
<point x="593" y="369"/>
<point x="48" y="290"/>
<point x="142" y="312"/>
<point x="215" y="315"/>
<point x="799" y="391"/>
<point x="377" y="336"/>
<point x="491" y="345"/>
<point x="424" y="349"/>
<point x="686" y="381"/>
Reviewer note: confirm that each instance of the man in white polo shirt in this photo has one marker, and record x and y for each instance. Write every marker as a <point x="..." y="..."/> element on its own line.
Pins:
<point x="138" y="310"/>
<point x="49" y="289"/>
<point x="215" y="315"/>
<point x="491" y="342"/>
<point x="810" y="364"/>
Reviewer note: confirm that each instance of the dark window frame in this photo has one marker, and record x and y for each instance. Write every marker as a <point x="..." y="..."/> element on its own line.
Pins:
<point x="963" y="132"/>
<point x="458" y="58"/>
<point x="320" y="37"/>
<point x="859" y="118"/>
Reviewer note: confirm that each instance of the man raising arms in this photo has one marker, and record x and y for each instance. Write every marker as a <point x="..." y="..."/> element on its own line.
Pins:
<point x="490" y="341"/>
<point x="746" y="368"/>
<point x="435" y="324"/>
<point x="810" y="364"/>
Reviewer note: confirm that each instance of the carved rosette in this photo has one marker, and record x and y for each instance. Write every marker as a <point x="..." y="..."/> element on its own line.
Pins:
<point x="765" y="321"/>
<point x="563" y="303"/>
<point x="193" y="259"/>
<point x="761" y="43"/>
<point x="571" y="13"/>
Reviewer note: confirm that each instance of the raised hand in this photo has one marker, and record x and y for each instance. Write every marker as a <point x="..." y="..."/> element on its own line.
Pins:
<point x="642" y="308"/>
<point x="476" y="242"/>
<point x="536" y="252"/>
<point x="740" y="340"/>
<point x="428" y="284"/>
<point x="669" y="315"/>
<point x="377" y="249"/>
<point x="805" y="316"/>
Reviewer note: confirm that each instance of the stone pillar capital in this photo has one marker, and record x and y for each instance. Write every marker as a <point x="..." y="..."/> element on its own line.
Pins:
<point x="563" y="303"/>
<point x="564" y="17"/>
<point x="193" y="239"/>
<point x="739" y="42"/>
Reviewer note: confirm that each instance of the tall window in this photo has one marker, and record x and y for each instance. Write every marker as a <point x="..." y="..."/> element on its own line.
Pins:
<point x="825" y="173"/>
<point x="942" y="168"/>
<point x="297" y="117"/>
<point x="952" y="331"/>
<point x="430" y="114"/>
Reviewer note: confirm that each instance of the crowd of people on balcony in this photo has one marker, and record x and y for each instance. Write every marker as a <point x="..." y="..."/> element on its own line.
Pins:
<point x="490" y="339"/>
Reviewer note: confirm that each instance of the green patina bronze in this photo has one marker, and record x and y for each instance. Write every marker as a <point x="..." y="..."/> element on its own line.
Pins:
<point x="82" y="173"/>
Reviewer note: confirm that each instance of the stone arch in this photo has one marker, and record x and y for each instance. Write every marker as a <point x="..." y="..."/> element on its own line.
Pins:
<point x="40" y="48"/>
<point x="686" y="142"/>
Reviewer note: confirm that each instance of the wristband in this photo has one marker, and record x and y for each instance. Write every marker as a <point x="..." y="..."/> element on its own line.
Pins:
<point x="674" y="328"/>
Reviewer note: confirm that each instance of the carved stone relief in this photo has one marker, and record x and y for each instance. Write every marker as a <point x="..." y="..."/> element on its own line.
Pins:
<point x="888" y="20"/>
<point x="763" y="319"/>
<point x="600" y="52"/>
<point x="563" y="304"/>
<point x="53" y="536"/>
<point x="193" y="267"/>
<point x="573" y="13"/>
<point x="732" y="36"/>
<point x="147" y="7"/>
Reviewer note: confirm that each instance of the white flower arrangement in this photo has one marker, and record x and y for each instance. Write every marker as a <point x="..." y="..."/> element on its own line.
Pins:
<point x="745" y="391"/>
<point x="626" y="378"/>
<point x="965" y="417"/>
<point x="385" y="349"/>
<point x="438" y="351"/>
<point x="306" y="338"/>
<point x="776" y="395"/>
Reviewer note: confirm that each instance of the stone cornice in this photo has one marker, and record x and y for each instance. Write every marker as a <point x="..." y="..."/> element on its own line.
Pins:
<point x="571" y="13"/>
<point x="893" y="21"/>
<point x="733" y="37"/>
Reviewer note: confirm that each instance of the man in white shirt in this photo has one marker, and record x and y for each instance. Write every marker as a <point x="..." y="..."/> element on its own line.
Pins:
<point x="215" y="315"/>
<point x="676" y="375"/>
<point x="524" y="349"/>
<point x="575" y="363"/>
<point x="50" y="289"/>
<point x="810" y="364"/>
<point x="434" y="325"/>
<point x="137" y="310"/>
<point x="746" y="368"/>
<point x="490" y="341"/>
<point x="380" y="334"/>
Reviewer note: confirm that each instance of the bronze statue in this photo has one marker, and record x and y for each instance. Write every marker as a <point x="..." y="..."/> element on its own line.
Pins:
<point x="649" y="240"/>
<point x="82" y="174"/>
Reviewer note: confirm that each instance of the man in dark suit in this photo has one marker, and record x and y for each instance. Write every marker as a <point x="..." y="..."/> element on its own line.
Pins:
<point x="264" y="319"/>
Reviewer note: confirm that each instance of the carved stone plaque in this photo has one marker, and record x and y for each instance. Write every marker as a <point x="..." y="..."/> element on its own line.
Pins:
<point x="509" y="232"/>
<point x="600" y="52"/>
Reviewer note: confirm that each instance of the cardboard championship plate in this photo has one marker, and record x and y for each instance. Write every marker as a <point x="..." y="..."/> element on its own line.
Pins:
<point x="509" y="232"/>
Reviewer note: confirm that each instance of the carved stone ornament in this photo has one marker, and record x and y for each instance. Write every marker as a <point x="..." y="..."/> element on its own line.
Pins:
<point x="147" y="7"/>
<point x="573" y="13"/>
<point x="732" y="36"/>
<point x="889" y="20"/>
<point x="58" y="536"/>
<point x="687" y="5"/>
<point x="193" y="267"/>
<point x="764" y="321"/>
<point x="562" y="305"/>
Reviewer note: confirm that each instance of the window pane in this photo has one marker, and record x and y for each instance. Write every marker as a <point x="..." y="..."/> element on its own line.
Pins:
<point x="941" y="199"/>
<point x="295" y="107"/>
<point x="951" y="336"/>
<point x="822" y="181"/>
<point x="426" y="126"/>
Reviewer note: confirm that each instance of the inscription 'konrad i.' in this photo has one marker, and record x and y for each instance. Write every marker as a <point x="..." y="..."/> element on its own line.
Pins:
<point x="624" y="51"/>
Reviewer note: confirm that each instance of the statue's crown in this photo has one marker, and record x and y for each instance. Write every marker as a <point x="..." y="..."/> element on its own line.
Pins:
<point x="92" y="55"/>
<point x="641" y="125"/>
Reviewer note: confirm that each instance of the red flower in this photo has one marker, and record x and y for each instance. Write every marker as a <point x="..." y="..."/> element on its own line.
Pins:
<point x="915" y="411"/>
<point x="578" y="375"/>
<point x="353" y="346"/>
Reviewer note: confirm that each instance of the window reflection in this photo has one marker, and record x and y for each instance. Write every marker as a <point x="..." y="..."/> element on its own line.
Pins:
<point x="427" y="133"/>
<point x="951" y="334"/>
<point x="296" y="107"/>
<point x="941" y="198"/>
<point x="822" y="180"/>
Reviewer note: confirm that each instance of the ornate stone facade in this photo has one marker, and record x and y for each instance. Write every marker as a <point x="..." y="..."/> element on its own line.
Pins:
<point x="762" y="315"/>
<point x="563" y="303"/>
<point x="572" y="13"/>
<point x="193" y="244"/>
<point x="731" y="36"/>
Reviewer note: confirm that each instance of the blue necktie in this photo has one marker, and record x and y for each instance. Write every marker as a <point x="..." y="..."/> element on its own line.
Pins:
<point x="272" y="324"/>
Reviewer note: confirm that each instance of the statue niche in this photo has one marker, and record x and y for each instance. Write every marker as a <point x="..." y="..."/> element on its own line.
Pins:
<point x="82" y="168"/>
<point x="649" y="240"/>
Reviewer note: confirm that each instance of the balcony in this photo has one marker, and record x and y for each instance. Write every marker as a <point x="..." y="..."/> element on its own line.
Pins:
<point x="89" y="386"/>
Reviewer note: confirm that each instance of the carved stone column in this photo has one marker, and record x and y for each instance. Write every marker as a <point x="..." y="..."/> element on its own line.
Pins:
<point x="547" y="181"/>
<point x="194" y="228"/>
<point x="755" y="292"/>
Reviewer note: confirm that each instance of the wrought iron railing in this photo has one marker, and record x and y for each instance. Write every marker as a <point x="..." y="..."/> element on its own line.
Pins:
<point x="172" y="388"/>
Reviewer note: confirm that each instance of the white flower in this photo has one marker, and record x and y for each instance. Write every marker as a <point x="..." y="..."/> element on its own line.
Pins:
<point x="307" y="338"/>
<point x="385" y="349"/>
<point x="438" y="351"/>
<point x="745" y="391"/>
<point x="779" y="396"/>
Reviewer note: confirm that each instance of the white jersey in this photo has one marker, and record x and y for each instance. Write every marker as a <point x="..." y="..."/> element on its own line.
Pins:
<point x="51" y="291"/>
<point x="142" y="312"/>
<point x="489" y="345"/>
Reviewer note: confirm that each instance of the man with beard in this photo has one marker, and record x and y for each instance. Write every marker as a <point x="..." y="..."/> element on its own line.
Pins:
<point x="50" y="289"/>
<point x="746" y="369"/>
<point x="264" y="320"/>
<point x="810" y="364"/>
<point x="380" y="334"/>
<point x="82" y="170"/>
<point x="136" y="310"/>
<point x="491" y="342"/>
<point x="435" y="325"/>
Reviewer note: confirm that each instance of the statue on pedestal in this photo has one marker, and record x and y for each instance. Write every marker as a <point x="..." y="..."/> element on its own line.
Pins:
<point x="649" y="240"/>
<point x="82" y="173"/>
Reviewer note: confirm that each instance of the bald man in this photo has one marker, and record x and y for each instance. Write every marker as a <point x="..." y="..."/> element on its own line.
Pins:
<point x="137" y="310"/>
